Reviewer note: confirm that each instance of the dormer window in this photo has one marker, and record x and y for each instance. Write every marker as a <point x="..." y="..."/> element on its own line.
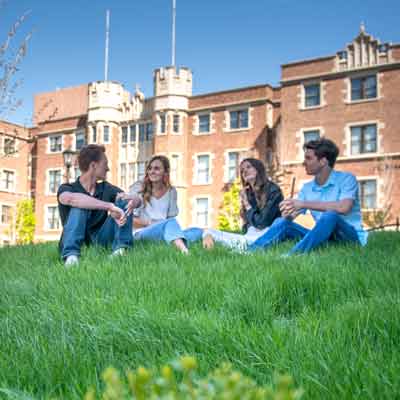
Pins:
<point x="342" y="55"/>
<point x="383" y="48"/>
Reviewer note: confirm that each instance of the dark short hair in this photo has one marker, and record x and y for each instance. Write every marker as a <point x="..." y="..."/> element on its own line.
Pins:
<point x="88" y="154"/>
<point x="323" y="148"/>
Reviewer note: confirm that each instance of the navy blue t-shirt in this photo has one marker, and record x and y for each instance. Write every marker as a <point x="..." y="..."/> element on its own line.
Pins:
<point x="104" y="191"/>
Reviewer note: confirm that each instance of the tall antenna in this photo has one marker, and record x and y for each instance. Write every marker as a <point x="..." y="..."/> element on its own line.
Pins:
<point x="107" y="41"/>
<point x="173" y="31"/>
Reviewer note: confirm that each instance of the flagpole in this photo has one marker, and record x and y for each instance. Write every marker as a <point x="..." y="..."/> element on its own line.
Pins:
<point x="173" y="31"/>
<point x="106" y="47"/>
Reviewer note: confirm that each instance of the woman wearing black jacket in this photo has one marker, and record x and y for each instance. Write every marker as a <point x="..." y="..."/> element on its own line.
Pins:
<point x="260" y="199"/>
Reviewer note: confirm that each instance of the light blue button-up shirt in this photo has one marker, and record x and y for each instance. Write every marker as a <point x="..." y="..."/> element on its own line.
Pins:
<point x="339" y="186"/>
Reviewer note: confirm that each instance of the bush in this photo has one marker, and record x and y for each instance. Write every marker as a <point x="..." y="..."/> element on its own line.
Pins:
<point x="179" y="380"/>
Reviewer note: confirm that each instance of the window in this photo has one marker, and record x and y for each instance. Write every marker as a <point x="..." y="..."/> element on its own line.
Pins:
<point x="343" y="55"/>
<point x="363" y="88"/>
<point x="124" y="135"/>
<point x="123" y="175"/>
<point x="312" y="134"/>
<point x="363" y="139"/>
<point x="176" y="123"/>
<point x="142" y="133"/>
<point x="106" y="134"/>
<point x="368" y="193"/>
<point x="94" y="134"/>
<point x="202" y="212"/>
<point x="162" y="123"/>
<point x="53" y="219"/>
<point x="174" y="168"/>
<point x="141" y="170"/>
<point x="6" y="214"/>
<point x="312" y="95"/>
<point x="233" y="166"/>
<point x="77" y="172"/>
<point x="149" y="131"/>
<point x="203" y="169"/>
<point x="131" y="174"/>
<point x="54" y="180"/>
<point x="8" y="180"/>
<point x="132" y="134"/>
<point x="55" y="143"/>
<point x="239" y="119"/>
<point x="9" y="146"/>
<point x="204" y="123"/>
<point x="79" y="139"/>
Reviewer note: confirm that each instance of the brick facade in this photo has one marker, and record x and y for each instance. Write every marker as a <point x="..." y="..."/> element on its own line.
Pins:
<point x="203" y="135"/>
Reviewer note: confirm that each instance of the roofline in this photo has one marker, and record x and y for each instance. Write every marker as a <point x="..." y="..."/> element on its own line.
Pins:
<point x="64" y="88"/>
<point x="235" y="90"/>
<point x="307" y="61"/>
<point x="14" y="124"/>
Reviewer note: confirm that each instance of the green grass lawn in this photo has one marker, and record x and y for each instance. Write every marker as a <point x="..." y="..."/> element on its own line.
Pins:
<point x="331" y="319"/>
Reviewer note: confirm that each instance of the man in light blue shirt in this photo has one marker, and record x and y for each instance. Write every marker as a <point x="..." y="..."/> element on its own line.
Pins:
<point x="332" y="198"/>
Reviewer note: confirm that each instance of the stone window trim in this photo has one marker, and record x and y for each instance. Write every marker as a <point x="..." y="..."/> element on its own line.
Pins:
<point x="158" y="123"/>
<point x="109" y="132"/>
<point x="379" y="192"/>
<point x="179" y="155"/>
<point x="12" y="206"/>
<point x="47" y="181"/>
<point x="347" y="135"/>
<point x="210" y="210"/>
<point x="227" y="119"/>
<point x="243" y="153"/>
<point x="322" y="95"/>
<point x="48" y="151"/>
<point x="14" y="183"/>
<point x="124" y="166"/>
<point x="196" y="123"/>
<point x="3" y="139"/>
<point x="76" y="132"/>
<point x="181" y="119"/>
<point x="300" y="139"/>
<point x="46" y="214"/>
<point x="195" y="168"/>
<point x="379" y="91"/>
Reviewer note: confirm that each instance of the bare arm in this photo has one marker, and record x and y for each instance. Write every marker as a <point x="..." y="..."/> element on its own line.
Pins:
<point x="81" y="200"/>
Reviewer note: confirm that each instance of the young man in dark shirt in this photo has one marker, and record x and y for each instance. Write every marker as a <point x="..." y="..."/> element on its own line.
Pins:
<point x="90" y="210"/>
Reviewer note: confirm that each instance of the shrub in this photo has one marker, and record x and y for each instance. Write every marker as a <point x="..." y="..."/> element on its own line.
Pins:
<point x="179" y="380"/>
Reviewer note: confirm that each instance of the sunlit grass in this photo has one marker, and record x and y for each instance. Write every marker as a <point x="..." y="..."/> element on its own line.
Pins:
<point x="331" y="319"/>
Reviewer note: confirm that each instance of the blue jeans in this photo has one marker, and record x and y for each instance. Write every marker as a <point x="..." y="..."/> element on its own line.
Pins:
<point x="331" y="226"/>
<point x="168" y="231"/>
<point x="75" y="232"/>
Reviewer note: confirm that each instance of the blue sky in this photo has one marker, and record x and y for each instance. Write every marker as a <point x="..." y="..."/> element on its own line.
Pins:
<point x="226" y="43"/>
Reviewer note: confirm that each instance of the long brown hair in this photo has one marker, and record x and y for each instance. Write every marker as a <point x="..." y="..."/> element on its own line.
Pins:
<point x="260" y="185"/>
<point x="147" y="188"/>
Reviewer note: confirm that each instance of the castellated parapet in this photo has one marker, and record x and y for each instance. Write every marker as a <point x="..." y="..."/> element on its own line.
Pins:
<point x="109" y="101"/>
<point x="172" y="88"/>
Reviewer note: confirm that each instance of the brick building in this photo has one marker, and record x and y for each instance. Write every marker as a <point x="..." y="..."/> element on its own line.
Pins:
<point x="350" y="97"/>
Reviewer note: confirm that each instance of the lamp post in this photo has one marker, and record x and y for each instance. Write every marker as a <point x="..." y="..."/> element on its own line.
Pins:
<point x="68" y="156"/>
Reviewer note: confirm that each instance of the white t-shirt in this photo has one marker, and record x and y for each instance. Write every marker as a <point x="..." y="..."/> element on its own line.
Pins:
<point x="155" y="210"/>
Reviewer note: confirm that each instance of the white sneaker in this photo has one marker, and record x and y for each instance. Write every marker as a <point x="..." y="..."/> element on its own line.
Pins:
<point x="119" y="252"/>
<point x="71" y="261"/>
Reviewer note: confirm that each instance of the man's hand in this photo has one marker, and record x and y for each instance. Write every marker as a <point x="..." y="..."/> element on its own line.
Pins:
<point x="290" y="208"/>
<point x="208" y="242"/>
<point x="117" y="214"/>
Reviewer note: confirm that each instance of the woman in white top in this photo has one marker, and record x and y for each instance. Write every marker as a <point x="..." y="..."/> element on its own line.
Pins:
<point x="155" y="218"/>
